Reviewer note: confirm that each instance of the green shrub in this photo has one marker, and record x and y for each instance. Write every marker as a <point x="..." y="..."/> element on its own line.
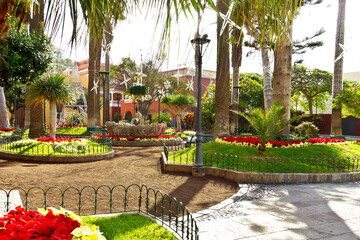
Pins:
<point x="76" y="119"/>
<point x="306" y="129"/>
<point x="116" y="117"/>
<point x="165" y="117"/>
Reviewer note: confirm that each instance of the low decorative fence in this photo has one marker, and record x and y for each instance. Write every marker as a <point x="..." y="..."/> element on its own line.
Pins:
<point x="265" y="164"/>
<point x="104" y="199"/>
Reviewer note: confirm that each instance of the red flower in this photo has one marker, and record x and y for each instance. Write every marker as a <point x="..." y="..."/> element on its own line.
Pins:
<point x="20" y="224"/>
<point x="48" y="139"/>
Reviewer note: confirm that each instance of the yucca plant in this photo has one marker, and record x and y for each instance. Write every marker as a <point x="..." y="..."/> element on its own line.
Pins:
<point x="180" y="102"/>
<point x="53" y="89"/>
<point x="266" y="123"/>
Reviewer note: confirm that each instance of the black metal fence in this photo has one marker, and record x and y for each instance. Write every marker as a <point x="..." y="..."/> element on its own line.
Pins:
<point x="117" y="199"/>
<point x="266" y="164"/>
<point x="73" y="148"/>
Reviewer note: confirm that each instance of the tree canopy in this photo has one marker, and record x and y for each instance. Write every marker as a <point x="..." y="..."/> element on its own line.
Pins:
<point x="313" y="84"/>
<point x="25" y="56"/>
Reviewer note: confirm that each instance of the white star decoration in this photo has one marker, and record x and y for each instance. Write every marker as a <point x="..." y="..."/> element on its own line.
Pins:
<point x="126" y="80"/>
<point x="95" y="87"/>
<point x="190" y="85"/>
<point x="227" y="20"/>
<point x="140" y="78"/>
<point x="342" y="53"/>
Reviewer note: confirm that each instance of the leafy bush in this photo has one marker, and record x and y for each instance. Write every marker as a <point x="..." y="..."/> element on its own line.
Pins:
<point x="76" y="119"/>
<point x="165" y="117"/>
<point x="189" y="120"/>
<point x="306" y="129"/>
<point x="116" y="117"/>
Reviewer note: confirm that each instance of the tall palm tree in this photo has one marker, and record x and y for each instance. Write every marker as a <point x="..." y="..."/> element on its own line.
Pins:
<point x="222" y="95"/>
<point x="54" y="90"/>
<point x="180" y="102"/>
<point x="236" y="56"/>
<point x="37" y="112"/>
<point x="337" y="86"/>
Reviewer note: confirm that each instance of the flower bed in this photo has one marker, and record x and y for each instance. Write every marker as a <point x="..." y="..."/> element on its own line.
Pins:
<point x="59" y="146"/>
<point x="255" y="142"/>
<point x="140" y="141"/>
<point x="46" y="224"/>
<point x="184" y="134"/>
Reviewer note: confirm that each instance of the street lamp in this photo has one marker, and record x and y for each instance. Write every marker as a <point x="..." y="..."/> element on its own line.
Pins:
<point x="118" y="98"/>
<point x="198" y="44"/>
<point x="237" y="109"/>
<point x="104" y="76"/>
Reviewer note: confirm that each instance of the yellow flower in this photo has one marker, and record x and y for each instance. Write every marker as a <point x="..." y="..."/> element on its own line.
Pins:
<point x="87" y="232"/>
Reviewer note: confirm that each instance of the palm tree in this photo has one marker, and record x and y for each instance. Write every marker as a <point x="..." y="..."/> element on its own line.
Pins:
<point x="236" y="56"/>
<point x="266" y="123"/>
<point x="35" y="114"/>
<point x="336" y="128"/>
<point x="222" y="94"/>
<point x="52" y="89"/>
<point x="180" y="102"/>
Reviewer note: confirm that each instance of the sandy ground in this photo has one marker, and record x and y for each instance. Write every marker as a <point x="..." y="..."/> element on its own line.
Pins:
<point x="129" y="166"/>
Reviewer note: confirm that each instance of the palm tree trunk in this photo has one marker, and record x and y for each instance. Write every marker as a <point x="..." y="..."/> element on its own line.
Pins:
<point x="236" y="55"/>
<point x="37" y="124"/>
<point x="52" y="120"/>
<point x="337" y="86"/>
<point x="4" y="120"/>
<point x="98" y="104"/>
<point x="178" y="122"/>
<point x="221" y="125"/>
<point x="92" y="95"/>
<point x="282" y="75"/>
<point x="267" y="76"/>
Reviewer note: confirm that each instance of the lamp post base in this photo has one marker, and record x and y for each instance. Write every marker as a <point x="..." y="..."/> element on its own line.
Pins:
<point x="198" y="171"/>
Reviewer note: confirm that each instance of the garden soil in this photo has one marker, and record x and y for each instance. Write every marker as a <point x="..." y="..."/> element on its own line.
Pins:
<point x="131" y="165"/>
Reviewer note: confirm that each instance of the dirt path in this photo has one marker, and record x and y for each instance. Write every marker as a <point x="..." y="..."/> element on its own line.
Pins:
<point x="130" y="165"/>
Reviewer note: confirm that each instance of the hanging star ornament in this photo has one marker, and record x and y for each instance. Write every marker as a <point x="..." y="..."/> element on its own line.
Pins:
<point x="126" y="80"/>
<point x="96" y="86"/>
<point x="190" y="85"/>
<point x="342" y="53"/>
<point x="227" y="20"/>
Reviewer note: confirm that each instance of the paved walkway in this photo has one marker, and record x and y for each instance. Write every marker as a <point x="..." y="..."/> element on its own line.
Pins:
<point x="308" y="211"/>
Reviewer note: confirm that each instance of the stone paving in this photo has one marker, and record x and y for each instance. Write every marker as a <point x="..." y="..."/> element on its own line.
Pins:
<point x="306" y="211"/>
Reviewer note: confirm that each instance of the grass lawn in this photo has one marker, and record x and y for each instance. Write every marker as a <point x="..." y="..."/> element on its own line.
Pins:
<point x="30" y="147"/>
<point x="129" y="227"/>
<point x="314" y="158"/>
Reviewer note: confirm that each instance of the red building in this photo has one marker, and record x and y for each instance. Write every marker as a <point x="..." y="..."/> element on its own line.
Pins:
<point x="126" y="107"/>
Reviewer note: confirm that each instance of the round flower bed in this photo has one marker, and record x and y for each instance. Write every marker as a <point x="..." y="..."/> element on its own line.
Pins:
<point x="60" y="150"/>
<point x="46" y="224"/>
<point x="255" y="142"/>
<point x="141" y="141"/>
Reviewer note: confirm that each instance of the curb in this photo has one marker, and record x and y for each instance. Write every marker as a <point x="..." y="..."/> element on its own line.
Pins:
<point x="265" y="178"/>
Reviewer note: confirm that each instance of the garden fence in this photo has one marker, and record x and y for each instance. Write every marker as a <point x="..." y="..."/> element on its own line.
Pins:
<point x="69" y="149"/>
<point x="265" y="164"/>
<point x="104" y="199"/>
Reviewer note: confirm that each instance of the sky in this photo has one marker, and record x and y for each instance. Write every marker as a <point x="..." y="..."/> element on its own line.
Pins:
<point x="137" y="37"/>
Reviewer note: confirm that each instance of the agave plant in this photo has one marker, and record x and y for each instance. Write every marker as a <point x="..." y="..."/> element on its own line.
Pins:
<point x="266" y="123"/>
<point x="53" y="89"/>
